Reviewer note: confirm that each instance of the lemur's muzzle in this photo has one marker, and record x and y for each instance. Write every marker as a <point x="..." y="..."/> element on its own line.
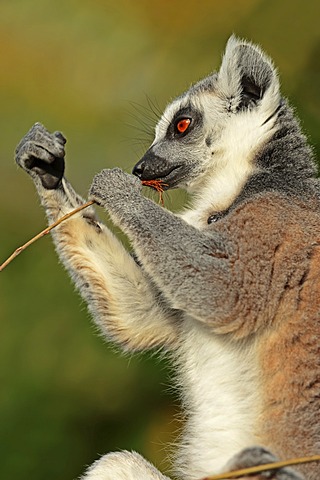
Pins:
<point x="153" y="167"/>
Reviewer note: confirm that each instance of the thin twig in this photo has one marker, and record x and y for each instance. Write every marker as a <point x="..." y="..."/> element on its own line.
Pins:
<point x="157" y="185"/>
<point x="262" y="468"/>
<point x="44" y="232"/>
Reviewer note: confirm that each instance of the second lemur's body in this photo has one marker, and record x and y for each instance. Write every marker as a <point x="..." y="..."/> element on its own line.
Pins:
<point x="231" y="286"/>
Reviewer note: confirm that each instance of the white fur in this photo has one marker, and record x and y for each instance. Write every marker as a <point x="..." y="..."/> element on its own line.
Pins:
<point x="231" y="163"/>
<point x="166" y="118"/>
<point x="123" y="466"/>
<point x="220" y="386"/>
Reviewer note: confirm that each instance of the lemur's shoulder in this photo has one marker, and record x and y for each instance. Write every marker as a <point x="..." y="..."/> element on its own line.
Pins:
<point x="278" y="209"/>
<point x="282" y="225"/>
<point x="276" y="260"/>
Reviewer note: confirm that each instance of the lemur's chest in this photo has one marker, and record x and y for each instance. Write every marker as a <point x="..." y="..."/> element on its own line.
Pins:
<point x="221" y="395"/>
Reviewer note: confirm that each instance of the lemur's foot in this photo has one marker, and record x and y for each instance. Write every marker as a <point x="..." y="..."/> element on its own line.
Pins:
<point x="250" y="457"/>
<point x="123" y="466"/>
<point x="41" y="154"/>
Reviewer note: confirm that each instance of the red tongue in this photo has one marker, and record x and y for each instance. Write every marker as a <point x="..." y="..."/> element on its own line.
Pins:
<point x="157" y="185"/>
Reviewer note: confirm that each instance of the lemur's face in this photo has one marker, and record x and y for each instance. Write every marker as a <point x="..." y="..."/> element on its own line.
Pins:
<point x="199" y="136"/>
<point x="182" y="147"/>
<point x="214" y="130"/>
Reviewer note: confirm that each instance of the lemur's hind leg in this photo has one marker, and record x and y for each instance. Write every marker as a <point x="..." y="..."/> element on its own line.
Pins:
<point x="131" y="466"/>
<point x="126" y="305"/>
<point x="123" y="466"/>
<point x="253" y="456"/>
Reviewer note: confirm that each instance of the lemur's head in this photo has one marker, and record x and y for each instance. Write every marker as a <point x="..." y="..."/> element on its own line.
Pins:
<point x="218" y="125"/>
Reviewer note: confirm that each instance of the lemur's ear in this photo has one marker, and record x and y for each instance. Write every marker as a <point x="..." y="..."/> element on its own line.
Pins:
<point x="247" y="75"/>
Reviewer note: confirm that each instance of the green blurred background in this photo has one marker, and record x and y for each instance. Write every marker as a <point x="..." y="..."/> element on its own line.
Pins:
<point x="88" y="68"/>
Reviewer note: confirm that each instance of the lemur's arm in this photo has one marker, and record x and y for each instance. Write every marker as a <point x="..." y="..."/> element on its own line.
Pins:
<point x="190" y="267"/>
<point x="126" y="305"/>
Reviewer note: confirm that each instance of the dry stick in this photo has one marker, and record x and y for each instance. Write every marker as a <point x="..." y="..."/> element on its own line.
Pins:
<point x="158" y="185"/>
<point x="263" y="468"/>
<point x="44" y="232"/>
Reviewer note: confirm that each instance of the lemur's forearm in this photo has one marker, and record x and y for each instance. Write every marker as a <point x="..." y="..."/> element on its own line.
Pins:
<point x="113" y="285"/>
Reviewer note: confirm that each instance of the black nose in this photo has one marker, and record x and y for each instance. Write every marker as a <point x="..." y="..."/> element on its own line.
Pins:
<point x="151" y="167"/>
<point x="138" y="169"/>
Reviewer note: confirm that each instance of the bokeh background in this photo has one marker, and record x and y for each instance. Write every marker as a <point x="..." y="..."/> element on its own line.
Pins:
<point x="100" y="71"/>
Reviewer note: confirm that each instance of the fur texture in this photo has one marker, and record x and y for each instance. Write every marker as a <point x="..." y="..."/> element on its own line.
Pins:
<point x="230" y="286"/>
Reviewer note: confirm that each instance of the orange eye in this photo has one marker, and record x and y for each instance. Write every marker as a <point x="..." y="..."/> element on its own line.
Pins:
<point x="183" y="125"/>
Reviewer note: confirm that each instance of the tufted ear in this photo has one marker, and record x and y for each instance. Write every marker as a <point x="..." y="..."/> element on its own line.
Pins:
<point x="247" y="75"/>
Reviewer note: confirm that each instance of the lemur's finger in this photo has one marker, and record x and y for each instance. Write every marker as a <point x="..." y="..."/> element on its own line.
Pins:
<point x="39" y="137"/>
<point x="29" y="152"/>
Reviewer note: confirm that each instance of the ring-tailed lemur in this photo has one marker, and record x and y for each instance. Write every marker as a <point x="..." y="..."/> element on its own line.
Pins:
<point x="231" y="286"/>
